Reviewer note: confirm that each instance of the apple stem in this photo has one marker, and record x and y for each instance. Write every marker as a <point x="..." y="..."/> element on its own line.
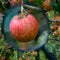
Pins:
<point x="22" y="8"/>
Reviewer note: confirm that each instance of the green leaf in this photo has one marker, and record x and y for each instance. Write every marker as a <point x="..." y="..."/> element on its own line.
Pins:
<point x="51" y="47"/>
<point x="42" y="55"/>
<point x="15" y="56"/>
<point x="53" y="4"/>
<point x="50" y="14"/>
<point x="38" y="2"/>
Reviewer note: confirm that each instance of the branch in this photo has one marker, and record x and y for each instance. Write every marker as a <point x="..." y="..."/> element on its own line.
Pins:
<point x="32" y="7"/>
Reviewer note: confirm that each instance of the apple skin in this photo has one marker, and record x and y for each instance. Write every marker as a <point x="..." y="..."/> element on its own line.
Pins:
<point x="24" y="29"/>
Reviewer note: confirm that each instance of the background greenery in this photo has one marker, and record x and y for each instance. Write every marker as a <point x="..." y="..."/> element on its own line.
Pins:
<point x="53" y="46"/>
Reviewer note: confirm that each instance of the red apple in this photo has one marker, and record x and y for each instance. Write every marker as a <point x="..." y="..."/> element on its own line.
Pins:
<point x="24" y="29"/>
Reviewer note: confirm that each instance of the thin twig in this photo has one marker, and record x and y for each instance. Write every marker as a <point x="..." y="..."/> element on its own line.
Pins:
<point x="32" y="7"/>
<point x="35" y="8"/>
<point x="22" y="8"/>
<point x="4" y="7"/>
